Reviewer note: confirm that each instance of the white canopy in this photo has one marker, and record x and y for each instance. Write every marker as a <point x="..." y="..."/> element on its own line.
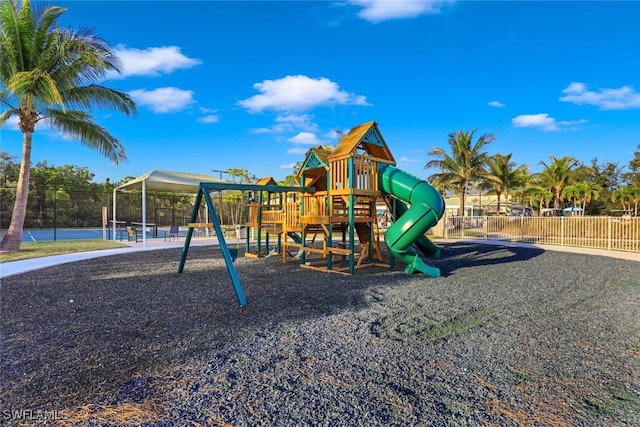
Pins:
<point x="169" y="181"/>
<point x="161" y="180"/>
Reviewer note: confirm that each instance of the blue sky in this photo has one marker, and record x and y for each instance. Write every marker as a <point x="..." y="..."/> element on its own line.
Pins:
<point x="253" y="85"/>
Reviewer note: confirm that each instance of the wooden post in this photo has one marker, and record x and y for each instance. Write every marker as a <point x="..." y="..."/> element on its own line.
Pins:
<point x="352" y="200"/>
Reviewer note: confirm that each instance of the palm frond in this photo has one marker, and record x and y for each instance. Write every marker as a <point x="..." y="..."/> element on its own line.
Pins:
<point x="79" y="126"/>
<point x="88" y="97"/>
<point x="5" y="115"/>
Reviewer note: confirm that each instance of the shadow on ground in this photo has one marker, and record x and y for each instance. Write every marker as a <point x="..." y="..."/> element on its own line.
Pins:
<point x="77" y="331"/>
<point x="465" y="255"/>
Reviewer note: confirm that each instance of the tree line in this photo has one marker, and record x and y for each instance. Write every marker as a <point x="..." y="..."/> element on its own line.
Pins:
<point x="597" y="188"/>
<point x="67" y="197"/>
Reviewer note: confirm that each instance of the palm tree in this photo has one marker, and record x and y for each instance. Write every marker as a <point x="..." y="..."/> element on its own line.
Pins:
<point x="466" y="163"/>
<point x="557" y="175"/>
<point x="48" y="76"/>
<point x="623" y="195"/>
<point x="626" y="196"/>
<point x="591" y="191"/>
<point x="503" y="176"/>
<point x="634" y="191"/>
<point x="520" y="181"/>
<point x="540" y="195"/>
<point x="574" y="193"/>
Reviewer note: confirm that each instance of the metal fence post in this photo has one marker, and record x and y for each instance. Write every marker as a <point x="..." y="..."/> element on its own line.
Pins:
<point x="446" y="226"/>
<point x="485" y="226"/>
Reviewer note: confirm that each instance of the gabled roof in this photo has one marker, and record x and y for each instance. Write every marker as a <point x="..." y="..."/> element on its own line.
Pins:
<point x="169" y="181"/>
<point x="367" y="137"/>
<point x="266" y="181"/>
<point x="317" y="157"/>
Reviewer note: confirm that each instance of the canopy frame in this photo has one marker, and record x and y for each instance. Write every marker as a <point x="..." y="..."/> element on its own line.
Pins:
<point x="164" y="181"/>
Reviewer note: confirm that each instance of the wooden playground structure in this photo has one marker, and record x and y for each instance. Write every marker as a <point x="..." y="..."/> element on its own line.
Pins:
<point x="336" y="195"/>
<point x="344" y="203"/>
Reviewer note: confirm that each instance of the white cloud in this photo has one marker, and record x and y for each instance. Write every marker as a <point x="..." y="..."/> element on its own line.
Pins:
<point x="12" y="123"/>
<point x="298" y="121"/>
<point x="262" y="130"/>
<point x="152" y="61"/>
<point x="163" y="100"/>
<point x="497" y="104"/>
<point x="290" y="123"/>
<point x="541" y="120"/>
<point x="289" y="166"/>
<point x="623" y="98"/>
<point x="305" y="138"/>
<point x="335" y="135"/>
<point x="545" y="123"/>
<point x="406" y="161"/>
<point x="382" y="10"/>
<point x="210" y="116"/>
<point x="571" y="124"/>
<point x="299" y="93"/>
<point x="297" y="150"/>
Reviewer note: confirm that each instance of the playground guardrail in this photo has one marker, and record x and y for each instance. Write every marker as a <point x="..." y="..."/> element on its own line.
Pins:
<point x="601" y="232"/>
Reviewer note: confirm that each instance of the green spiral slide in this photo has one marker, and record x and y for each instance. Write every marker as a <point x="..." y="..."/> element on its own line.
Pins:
<point x="407" y="234"/>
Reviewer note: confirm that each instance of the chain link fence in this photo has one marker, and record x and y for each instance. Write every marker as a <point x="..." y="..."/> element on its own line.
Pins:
<point x="47" y="209"/>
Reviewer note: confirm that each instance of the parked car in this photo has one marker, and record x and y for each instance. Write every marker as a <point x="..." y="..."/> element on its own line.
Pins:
<point x="551" y="212"/>
<point x="524" y="211"/>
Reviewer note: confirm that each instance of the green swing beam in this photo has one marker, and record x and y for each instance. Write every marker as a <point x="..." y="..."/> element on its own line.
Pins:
<point x="204" y="190"/>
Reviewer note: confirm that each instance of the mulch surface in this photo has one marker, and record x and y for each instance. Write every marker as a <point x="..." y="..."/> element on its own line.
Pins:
<point x="507" y="336"/>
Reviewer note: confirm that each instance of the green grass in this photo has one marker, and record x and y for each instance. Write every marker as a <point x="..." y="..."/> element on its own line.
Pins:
<point x="30" y="250"/>
<point x="628" y="282"/>
<point x="426" y="328"/>
<point x="614" y="400"/>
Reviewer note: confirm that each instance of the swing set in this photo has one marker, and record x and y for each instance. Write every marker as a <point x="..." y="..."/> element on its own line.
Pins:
<point x="204" y="191"/>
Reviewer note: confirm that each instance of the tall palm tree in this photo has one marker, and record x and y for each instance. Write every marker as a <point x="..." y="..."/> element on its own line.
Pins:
<point x="520" y="181"/>
<point x="540" y="195"/>
<point x="591" y="191"/>
<point x="624" y="196"/>
<point x="573" y="193"/>
<point x="48" y="76"/>
<point x="465" y="164"/>
<point x="557" y="175"/>
<point x="503" y="176"/>
<point x="634" y="191"/>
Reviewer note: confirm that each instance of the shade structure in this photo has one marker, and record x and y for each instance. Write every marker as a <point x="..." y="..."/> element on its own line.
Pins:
<point x="161" y="180"/>
<point x="169" y="181"/>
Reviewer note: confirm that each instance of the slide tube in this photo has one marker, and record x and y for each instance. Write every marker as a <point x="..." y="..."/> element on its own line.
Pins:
<point x="426" y="246"/>
<point x="426" y="207"/>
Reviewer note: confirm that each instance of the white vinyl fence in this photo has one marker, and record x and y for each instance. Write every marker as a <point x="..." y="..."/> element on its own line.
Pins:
<point x="610" y="233"/>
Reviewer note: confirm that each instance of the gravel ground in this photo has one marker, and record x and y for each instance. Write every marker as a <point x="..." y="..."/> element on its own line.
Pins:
<point x="507" y="337"/>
